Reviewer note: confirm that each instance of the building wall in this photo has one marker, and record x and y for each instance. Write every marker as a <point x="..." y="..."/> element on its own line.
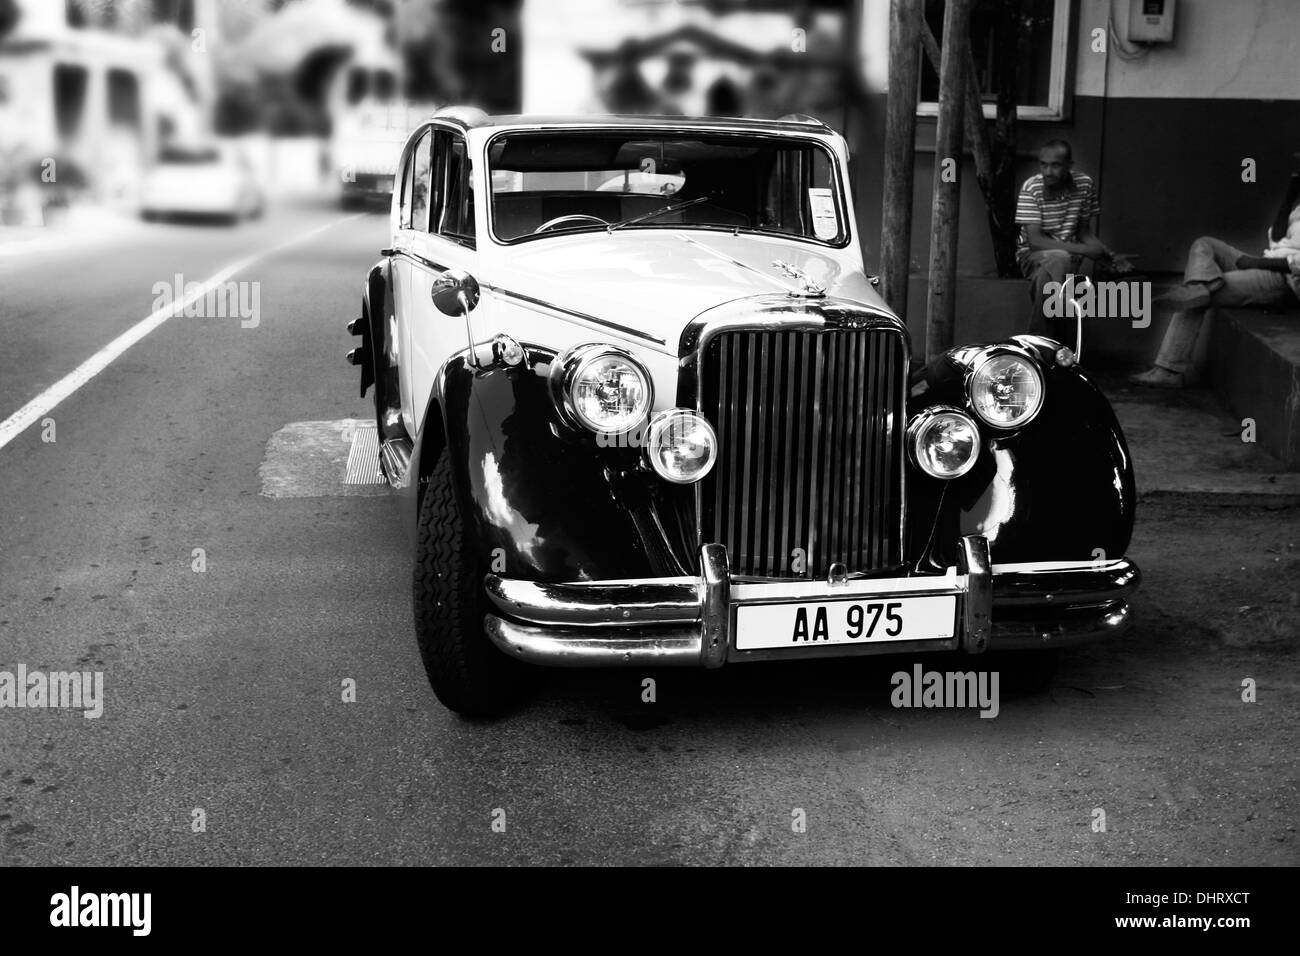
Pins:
<point x="1165" y="134"/>
<point x="113" y="153"/>
<point x="558" y="79"/>
<point x="1233" y="50"/>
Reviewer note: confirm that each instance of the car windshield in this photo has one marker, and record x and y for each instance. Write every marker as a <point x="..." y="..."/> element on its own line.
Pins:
<point x="552" y="182"/>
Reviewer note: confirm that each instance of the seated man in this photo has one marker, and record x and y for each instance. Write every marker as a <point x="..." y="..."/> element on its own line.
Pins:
<point x="1055" y="211"/>
<point x="1218" y="274"/>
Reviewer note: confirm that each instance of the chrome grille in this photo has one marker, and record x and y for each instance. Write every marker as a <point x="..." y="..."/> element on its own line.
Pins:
<point x="810" y="436"/>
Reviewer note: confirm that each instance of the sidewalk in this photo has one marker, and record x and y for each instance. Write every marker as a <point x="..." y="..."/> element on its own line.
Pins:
<point x="80" y="226"/>
<point x="1186" y="441"/>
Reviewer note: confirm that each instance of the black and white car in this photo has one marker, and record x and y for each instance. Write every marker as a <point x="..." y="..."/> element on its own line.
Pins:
<point x="645" y="408"/>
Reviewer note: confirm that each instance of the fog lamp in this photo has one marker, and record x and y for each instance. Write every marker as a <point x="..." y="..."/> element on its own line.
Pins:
<point x="944" y="442"/>
<point x="681" y="445"/>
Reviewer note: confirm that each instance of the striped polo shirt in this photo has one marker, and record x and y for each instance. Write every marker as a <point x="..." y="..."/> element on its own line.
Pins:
<point x="1060" y="216"/>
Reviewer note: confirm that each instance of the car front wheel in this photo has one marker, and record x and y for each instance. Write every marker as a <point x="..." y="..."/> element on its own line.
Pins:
<point x="468" y="674"/>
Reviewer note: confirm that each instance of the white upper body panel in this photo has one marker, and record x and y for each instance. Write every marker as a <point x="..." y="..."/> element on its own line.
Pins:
<point x="655" y="280"/>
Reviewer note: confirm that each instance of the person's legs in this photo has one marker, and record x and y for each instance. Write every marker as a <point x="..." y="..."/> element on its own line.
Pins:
<point x="1175" y="356"/>
<point x="1209" y="259"/>
<point x="1042" y="267"/>
<point x="1058" y="319"/>
<point x="1084" y="266"/>
<point x="1064" y="327"/>
<point x="1253" y="288"/>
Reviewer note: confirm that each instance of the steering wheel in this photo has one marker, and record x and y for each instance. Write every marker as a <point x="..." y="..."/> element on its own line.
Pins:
<point x="552" y="223"/>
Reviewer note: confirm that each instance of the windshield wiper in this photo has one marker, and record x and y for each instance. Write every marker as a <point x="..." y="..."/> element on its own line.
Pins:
<point x="658" y="212"/>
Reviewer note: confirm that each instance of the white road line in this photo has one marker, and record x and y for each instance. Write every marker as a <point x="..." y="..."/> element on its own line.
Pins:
<point x="45" y="402"/>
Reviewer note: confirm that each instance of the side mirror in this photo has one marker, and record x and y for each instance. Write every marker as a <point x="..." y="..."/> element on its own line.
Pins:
<point x="455" y="293"/>
<point x="1078" y="313"/>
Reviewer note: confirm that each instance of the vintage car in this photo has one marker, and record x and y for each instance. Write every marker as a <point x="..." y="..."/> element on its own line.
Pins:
<point x="646" y="409"/>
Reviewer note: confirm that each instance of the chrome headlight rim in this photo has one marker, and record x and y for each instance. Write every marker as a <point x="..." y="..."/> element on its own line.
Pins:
<point x="978" y="365"/>
<point x="572" y="363"/>
<point x="654" y="430"/>
<point x="916" y="432"/>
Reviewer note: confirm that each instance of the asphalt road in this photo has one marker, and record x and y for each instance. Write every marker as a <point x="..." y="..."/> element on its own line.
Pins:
<point x="223" y="688"/>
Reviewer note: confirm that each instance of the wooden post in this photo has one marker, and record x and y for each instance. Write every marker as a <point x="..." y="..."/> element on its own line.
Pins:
<point x="977" y="131"/>
<point x="941" y="304"/>
<point x="900" y="151"/>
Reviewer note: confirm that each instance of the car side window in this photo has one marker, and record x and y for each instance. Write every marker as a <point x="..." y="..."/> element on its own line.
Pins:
<point x="440" y="186"/>
<point x="419" y="184"/>
<point x="441" y="138"/>
<point x="457" y="219"/>
<point x="404" y="210"/>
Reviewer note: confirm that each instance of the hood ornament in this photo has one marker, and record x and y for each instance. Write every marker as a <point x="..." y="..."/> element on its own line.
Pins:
<point x="807" y="286"/>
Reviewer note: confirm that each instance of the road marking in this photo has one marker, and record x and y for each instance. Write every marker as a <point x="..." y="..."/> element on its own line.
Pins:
<point x="45" y="402"/>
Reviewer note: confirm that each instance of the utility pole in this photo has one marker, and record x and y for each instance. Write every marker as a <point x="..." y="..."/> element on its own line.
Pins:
<point x="941" y="304"/>
<point x="900" y="151"/>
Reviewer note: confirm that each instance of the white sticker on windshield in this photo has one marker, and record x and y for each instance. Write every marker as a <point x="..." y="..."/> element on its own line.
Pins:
<point x="826" y="224"/>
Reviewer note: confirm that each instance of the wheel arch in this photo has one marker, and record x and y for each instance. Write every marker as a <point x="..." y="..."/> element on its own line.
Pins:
<point x="433" y="440"/>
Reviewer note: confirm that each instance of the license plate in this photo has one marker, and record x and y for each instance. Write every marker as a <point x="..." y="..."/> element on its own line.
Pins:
<point x="867" y="620"/>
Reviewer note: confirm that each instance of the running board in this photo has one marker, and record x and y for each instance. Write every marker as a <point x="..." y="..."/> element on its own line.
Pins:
<point x="395" y="460"/>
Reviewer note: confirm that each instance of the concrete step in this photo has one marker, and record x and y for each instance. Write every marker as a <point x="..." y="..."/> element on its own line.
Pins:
<point x="1254" y="367"/>
<point x="1185" y="441"/>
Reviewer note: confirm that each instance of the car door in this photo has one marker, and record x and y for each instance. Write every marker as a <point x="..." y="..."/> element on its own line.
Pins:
<point x="447" y="243"/>
<point x="412" y="220"/>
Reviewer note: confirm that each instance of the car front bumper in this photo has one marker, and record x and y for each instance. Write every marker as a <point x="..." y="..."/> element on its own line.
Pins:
<point x="690" y="622"/>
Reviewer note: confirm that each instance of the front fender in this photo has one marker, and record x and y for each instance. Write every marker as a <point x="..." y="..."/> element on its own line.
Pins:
<point x="546" y="502"/>
<point x="1060" y="489"/>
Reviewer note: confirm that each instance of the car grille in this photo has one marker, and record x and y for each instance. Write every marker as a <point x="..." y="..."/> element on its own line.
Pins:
<point x="810" y="449"/>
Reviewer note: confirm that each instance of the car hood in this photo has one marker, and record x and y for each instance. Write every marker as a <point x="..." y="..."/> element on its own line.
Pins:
<point x="659" y="281"/>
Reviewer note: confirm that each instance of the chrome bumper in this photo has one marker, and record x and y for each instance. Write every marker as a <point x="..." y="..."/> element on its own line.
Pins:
<point x="689" y="621"/>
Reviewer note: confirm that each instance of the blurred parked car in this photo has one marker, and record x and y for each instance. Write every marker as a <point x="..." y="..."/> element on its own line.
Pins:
<point x="210" y="180"/>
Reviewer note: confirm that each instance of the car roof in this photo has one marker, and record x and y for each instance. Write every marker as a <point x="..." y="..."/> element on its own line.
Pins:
<point x="470" y="118"/>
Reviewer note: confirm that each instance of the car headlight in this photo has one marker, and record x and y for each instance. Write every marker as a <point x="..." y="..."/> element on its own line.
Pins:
<point x="944" y="442"/>
<point x="1006" y="390"/>
<point x="605" y="389"/>
<point x="681" y="445"/>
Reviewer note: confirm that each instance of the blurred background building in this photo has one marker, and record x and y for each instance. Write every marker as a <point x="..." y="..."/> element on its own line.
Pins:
<point x="698" y="57"/>
<point x="98" y="86"/>
<point x="310" y="88"/>
<point x="93" y="92"/>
